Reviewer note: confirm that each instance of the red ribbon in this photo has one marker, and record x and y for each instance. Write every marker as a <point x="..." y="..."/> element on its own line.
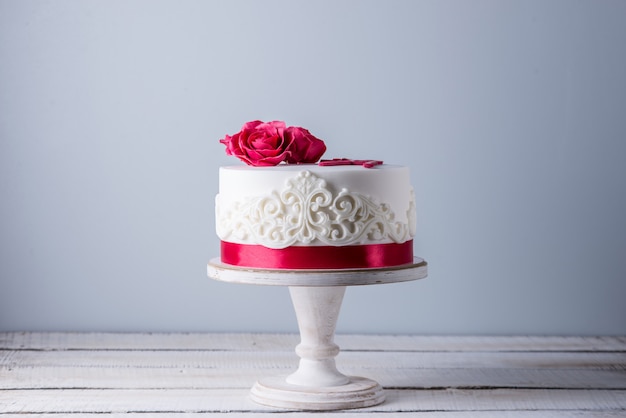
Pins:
<point x="320" y="257"/>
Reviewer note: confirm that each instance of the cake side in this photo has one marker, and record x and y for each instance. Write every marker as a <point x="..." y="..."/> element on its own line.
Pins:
<point x="309" y="205"/>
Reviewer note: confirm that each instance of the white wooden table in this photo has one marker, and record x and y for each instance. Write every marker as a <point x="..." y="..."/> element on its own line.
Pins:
<point x="424" y="376"/>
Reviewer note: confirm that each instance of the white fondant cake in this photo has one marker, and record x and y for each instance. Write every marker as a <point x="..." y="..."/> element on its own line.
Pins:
<point x="294" y="216"/>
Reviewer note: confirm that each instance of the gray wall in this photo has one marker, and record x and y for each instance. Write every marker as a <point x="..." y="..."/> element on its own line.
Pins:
<point x="509" y="113"/>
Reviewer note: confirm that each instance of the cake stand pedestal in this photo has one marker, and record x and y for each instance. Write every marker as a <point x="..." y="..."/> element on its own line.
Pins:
<point x="317" y="296"/>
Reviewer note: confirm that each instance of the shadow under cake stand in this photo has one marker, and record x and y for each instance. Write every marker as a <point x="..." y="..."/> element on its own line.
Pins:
<point x="317" y="297"/>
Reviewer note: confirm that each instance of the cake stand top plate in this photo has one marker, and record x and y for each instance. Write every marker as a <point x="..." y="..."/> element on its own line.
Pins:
<point x="344" y="277"/>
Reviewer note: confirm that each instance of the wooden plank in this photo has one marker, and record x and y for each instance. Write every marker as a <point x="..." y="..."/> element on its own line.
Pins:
<point x="357" y="414"/>
<point x="480" y="343"/>
<point x="287" y="342"/>
<point x="47" y="377"/>
<point x="212" y="369"/>
<point x="225" y="400"/>
<point x="280" y="360"/>
<point x="146" y="341"/>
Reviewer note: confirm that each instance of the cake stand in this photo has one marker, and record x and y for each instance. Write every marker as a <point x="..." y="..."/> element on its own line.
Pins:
<point x="317" y="296"/>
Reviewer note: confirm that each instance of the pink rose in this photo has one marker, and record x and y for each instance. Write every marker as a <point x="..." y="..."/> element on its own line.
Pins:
<point x="270" y="143"/>
<point x="304" y="147"/>
<point x="258" y="143"/>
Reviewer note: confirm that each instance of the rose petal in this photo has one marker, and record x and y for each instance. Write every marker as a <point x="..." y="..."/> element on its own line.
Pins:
<point x="250" y="126"/>
<point x="304" y="146"/>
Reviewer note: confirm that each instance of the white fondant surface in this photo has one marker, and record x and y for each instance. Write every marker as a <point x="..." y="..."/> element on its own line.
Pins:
<point x="307" y="204"/>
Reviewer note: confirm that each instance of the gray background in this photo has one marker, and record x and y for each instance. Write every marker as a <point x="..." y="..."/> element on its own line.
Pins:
<point x="510" y="115"/>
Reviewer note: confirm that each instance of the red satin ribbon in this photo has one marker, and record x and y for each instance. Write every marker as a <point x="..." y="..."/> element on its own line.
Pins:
<point x="323" y="257"/>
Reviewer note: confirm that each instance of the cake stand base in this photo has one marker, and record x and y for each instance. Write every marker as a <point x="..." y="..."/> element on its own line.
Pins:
<point x="317" y="385"/>
<point x="359" y="392"/>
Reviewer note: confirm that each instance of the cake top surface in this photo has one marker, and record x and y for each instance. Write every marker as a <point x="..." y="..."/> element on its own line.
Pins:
<point x="311" y="167"/>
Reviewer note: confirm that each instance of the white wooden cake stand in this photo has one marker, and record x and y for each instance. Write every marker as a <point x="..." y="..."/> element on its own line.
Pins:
<point x="317" y="297"/>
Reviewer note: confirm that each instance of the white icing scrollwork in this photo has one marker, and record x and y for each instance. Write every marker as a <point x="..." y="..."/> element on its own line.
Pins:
<point x="305" y="210"/>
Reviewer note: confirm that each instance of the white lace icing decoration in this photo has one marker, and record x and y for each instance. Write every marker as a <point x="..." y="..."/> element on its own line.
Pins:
<point x="306" y="210"/>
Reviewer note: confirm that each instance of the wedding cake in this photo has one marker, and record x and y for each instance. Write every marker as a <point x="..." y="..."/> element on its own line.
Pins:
<point x="285" y="209"/>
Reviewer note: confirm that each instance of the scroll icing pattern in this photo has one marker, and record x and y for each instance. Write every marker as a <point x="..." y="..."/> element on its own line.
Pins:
<point x="305" y="210"/>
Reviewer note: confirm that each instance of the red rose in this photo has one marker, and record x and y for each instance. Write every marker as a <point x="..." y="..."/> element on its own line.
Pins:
<point x="304" y="147"/>
<point x="270" y="143"/>
<point x="258" y="143"/>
